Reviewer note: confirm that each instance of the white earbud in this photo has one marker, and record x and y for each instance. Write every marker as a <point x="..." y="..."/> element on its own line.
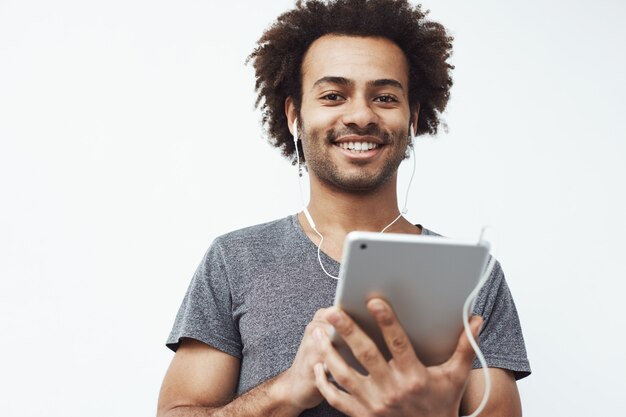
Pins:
<point x="295" y="132"/>
<point x="295" y="143"/>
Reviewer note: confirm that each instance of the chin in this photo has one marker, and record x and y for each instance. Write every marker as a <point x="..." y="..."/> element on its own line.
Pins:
<point x="358" y="184"/>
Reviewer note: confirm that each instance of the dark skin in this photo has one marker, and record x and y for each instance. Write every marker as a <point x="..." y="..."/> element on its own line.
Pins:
<point x="349" y="191"/>
<point x="191" y="387"/>
<point x="401" y="386"/>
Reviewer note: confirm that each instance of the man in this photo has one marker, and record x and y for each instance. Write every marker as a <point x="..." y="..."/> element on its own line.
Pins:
<point x="349" y="78"/>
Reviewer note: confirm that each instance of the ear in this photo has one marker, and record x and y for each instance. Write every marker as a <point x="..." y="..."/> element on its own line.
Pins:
<point x="416" y="115"/>
<point x="290" y="112"/>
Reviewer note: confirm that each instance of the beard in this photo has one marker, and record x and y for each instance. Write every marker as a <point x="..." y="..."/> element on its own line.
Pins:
<point x="361" y="177"/>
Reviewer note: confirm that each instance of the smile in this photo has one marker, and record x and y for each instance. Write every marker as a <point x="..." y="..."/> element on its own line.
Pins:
<point x="357" y="146"/>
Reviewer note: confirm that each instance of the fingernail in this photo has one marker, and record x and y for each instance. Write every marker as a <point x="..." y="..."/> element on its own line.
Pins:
<point x="480" y="319"/>
<point x="318" y="334"/>
<point x="334" y="318"/>
<point x="319" y="368"/>
<point x="377" y="306"/>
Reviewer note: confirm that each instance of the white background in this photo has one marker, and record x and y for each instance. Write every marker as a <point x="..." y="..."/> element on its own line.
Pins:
<point x="129" y="140"/>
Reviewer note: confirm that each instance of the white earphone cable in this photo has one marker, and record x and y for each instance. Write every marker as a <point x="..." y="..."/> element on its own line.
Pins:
<point x="468" y="306"/>
<point x="408" y="188"/>
<point x="295" y="142"/>
<point x="308" y="215"/>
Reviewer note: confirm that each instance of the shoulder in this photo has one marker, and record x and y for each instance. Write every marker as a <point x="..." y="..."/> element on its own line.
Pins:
<point x="264" y="233"/>
<point x="249" y="247"/>
<point x="259" y="243"/>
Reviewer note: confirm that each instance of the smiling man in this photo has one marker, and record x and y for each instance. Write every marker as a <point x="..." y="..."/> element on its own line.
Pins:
<point x="356" y="109"/>
<point x="348" y="80"/>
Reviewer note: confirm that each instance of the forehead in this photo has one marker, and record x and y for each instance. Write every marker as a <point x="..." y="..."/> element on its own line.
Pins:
<point x="355" y="58"/>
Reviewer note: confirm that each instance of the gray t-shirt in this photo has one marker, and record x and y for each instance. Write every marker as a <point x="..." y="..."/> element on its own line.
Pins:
<point x="257" y="288"/>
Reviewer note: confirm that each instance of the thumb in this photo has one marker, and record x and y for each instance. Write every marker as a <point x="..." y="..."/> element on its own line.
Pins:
<point x="464" y="353"/>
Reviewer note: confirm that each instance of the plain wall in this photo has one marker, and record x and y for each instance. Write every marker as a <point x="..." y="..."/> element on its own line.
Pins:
<point x="129" y="140"/>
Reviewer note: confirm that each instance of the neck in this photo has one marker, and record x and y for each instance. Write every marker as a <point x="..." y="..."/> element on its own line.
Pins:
<point x="342" y="212"/>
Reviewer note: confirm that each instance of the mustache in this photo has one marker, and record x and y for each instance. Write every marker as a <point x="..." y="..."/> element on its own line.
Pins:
<point x="332" y="135"/>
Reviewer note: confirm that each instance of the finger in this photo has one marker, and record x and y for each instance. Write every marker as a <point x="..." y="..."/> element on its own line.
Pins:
<point x="347" y="377"/>
<point x="397" y="341"/>
<point x="319" y="314"/>
<point x="337" y="399"/>
<point x="317" y="321"/>
<point x="464" y="354"/>
<point x="362" y="347"/>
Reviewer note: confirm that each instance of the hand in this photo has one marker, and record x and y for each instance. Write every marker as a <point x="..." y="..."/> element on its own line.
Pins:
<point x="298" y="382"/>
<point x="401" y="387"/>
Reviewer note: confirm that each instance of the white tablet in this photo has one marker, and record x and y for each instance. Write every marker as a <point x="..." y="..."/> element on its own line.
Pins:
<point x="426" y="279"/>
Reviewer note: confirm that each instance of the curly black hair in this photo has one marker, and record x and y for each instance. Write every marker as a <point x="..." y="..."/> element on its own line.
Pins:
<point x="277" y="59"/>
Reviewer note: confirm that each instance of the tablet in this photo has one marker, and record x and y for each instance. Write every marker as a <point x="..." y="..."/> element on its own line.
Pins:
<point x="426" y="279"/>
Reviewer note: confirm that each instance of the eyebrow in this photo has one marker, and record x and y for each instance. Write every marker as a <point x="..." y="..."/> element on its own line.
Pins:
<point x="385" y="82"/>
<point x="347" y="83"/>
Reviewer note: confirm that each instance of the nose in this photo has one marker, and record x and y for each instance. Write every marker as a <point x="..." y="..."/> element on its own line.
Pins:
<point x="359" y="112"/>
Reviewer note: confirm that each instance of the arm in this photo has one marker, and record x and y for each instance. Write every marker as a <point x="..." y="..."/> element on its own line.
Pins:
<point x="504" y="398"/>
<point x="202" y="380"/>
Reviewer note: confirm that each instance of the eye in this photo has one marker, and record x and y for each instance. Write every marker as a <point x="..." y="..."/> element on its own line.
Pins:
<point x="332" y="97"/>
<point x="386" y="99"/>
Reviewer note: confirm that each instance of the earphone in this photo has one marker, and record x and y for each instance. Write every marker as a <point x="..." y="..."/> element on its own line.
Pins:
<point x="295" y="142"/>
<point x="468" y="306"/>
<point x="308" y="216"/>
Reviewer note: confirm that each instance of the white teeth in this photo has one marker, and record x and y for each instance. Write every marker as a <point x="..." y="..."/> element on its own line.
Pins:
<point x="357" y="146"/>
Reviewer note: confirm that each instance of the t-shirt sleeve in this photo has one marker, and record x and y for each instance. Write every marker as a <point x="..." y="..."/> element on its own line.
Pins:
<point x="501" y="339"/>
<point x="206" y="313"/>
